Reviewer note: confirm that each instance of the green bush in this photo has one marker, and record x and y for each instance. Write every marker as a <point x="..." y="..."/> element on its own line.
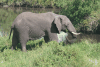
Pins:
<point x="31" y="3"/>
<point x="77" y="10"/>
<point x="52" y="54"/>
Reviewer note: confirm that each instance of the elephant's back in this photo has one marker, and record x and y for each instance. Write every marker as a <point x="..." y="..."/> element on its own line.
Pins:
<point x="49" y="16"/>
<point x="43" y="20"/>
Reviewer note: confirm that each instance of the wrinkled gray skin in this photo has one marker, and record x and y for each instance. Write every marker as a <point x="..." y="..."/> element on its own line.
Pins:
<point x="32" y="26"/>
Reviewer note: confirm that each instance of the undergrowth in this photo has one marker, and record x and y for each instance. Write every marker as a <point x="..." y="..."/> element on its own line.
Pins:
<point x="52" y="54"/>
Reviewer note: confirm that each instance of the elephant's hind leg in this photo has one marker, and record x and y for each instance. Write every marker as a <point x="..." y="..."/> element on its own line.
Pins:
<point x="14" y="42"/>
<point x="23" y="38"/>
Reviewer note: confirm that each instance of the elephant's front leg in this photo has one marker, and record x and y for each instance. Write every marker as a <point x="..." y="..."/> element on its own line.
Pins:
<point x="23" y="47"/>
<point x="53" y="37"/>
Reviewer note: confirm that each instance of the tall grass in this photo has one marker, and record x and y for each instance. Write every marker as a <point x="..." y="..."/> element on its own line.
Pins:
<point x="52" y="54"/>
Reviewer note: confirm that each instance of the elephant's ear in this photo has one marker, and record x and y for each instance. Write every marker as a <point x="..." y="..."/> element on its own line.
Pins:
<point x="57" y="21"/>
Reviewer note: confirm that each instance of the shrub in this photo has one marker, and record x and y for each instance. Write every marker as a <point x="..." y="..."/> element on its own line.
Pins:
<point x="77" y="10"/>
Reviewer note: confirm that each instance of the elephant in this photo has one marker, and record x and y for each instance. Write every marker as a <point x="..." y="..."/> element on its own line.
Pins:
<point x="31" y="26"/>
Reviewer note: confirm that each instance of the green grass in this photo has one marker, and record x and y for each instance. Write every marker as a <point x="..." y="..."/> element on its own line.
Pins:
<point x="52" y="54"/>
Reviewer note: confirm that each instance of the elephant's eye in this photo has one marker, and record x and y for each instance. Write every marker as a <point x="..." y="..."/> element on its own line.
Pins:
<point x="65" y="25"/>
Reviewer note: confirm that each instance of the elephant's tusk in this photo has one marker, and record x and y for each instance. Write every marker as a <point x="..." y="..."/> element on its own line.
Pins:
<point x="75" y="33"/>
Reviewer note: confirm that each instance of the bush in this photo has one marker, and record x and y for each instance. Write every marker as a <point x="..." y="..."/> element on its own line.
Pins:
<point x="52" y="54"/>
<point x="77" y="10"/>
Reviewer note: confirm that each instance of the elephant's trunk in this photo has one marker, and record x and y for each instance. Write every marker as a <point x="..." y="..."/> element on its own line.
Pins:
<point x="74" y="35"/>
<point x="72" y="30"/>
<point x="71" y="41"/>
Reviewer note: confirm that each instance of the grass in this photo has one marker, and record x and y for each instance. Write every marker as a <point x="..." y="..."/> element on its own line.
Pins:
<point x="52" y="54"/>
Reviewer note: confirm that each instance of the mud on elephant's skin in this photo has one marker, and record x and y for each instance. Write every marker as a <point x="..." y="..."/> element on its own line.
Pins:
<point x="32" y="26"/>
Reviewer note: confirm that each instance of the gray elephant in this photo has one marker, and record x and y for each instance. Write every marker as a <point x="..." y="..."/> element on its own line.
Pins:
<point x="32" y="26"/>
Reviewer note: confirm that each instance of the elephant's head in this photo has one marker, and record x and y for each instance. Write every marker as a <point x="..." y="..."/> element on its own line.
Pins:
<point x="63" y="23"/>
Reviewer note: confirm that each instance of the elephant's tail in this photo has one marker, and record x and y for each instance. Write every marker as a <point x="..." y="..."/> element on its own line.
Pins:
<point x="11" y="31"/>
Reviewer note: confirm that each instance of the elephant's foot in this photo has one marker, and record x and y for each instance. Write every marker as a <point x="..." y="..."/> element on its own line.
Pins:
<point x="12" y="48"/>
<point x="24" y="48"/>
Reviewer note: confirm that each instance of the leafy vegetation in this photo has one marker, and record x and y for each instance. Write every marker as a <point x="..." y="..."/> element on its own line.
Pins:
<point x="30" y="3"/>
<point x="81" y="13"/>
<point x="6" y="18"/>
<point x="41" y="54"/>
<point x="77" y="10"/>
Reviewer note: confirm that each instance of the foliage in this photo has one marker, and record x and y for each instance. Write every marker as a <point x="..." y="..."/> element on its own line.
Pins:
<point x="91" y="23"/>
<point x="42" y="3"/>
<point x="35" y="3"/>
<point x="6" y="20"/>
<point x="77" y="10"/>
<point x="83" y="54"/>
